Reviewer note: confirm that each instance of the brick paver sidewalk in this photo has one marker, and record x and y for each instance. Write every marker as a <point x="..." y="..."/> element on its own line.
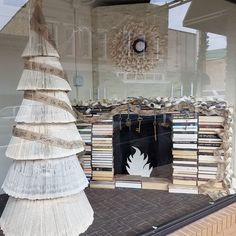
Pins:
<point x="131" y="212"/>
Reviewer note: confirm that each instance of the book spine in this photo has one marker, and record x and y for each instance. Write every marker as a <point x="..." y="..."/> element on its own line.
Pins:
<point x="208" y="141"/>
<point x="85" y="131"/>
<point x="102" y="151"/>
<point x="184" y="150"/>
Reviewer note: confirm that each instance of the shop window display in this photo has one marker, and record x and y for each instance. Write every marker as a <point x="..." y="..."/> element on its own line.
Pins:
<point x="152" y="94"/>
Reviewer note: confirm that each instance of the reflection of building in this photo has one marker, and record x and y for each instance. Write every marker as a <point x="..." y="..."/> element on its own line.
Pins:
<point x="62" y="21"/>
<point x="181" y="55"/>
<point x="181" y="49"/>
<point x="13" y="39"/>
<point x="218" y="17"/>
<point x="215" y="69"/>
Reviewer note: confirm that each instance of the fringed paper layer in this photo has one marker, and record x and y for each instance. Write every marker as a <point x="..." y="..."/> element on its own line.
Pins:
<point x="45" y="179"/>
<point x="38" y="46"/>
<point x="40" y="40"/>
<point x="38" y="112"/>
<point x="23" y="149"/>
<point x="68" y="216"/>
<point x="33" y="79"/>
<point x="50" y="61"/>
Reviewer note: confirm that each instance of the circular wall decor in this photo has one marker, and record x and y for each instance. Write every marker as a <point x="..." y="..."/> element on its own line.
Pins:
<point x="135" y="47"/>
<point x="139" y="45"/>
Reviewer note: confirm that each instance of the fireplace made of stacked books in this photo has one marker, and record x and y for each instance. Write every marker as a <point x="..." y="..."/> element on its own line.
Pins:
<point x="157" y="152"/>
<point x="142" y="145"/>
<point x="173" y="151"/>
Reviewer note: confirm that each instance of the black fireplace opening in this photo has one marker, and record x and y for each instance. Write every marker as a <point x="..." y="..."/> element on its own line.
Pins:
<point x="149" y="136"/>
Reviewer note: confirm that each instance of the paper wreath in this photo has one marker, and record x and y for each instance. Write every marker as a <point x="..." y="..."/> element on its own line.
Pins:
<point x="135" y="47"/>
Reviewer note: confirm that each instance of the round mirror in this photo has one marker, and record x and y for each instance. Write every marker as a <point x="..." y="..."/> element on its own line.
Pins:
<point x="139" y="45"/>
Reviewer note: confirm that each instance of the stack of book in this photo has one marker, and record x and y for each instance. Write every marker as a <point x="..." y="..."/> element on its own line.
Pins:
<point x="85" y="131"/>
<point x="102" y="151"/>
<point x="185" y="156"/>
<point x="174" y="188"/>
<point x="155" y="183"/>
<point x="128" y="181"/>
<point x="128" y="184"/>
<point x="139" y="182"/>
<point x="208" y="142"/>
<point x="102" y="184"/>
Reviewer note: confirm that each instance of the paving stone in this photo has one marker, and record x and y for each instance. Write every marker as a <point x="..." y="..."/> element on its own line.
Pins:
<point x="130" y="212"/>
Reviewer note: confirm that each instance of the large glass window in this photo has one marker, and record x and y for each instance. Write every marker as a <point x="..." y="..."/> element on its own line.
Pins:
<point x="118" y="51"/>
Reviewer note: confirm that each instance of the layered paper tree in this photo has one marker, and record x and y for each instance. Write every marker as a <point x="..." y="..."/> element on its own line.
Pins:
<point x="45" y="182"/>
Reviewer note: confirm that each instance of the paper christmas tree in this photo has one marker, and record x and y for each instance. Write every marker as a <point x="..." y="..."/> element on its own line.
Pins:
<point x="45" y="182"/>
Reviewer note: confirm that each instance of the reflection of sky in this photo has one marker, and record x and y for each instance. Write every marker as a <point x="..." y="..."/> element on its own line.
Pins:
<point x="8" y="8"/>
<point x="176" y="17"/>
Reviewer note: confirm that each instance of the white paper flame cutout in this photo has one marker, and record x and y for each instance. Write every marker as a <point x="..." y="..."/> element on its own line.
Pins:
<point x="137" y="164"/>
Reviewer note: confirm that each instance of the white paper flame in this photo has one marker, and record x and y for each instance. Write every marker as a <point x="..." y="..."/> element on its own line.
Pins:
<point x="137" y="164"/>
